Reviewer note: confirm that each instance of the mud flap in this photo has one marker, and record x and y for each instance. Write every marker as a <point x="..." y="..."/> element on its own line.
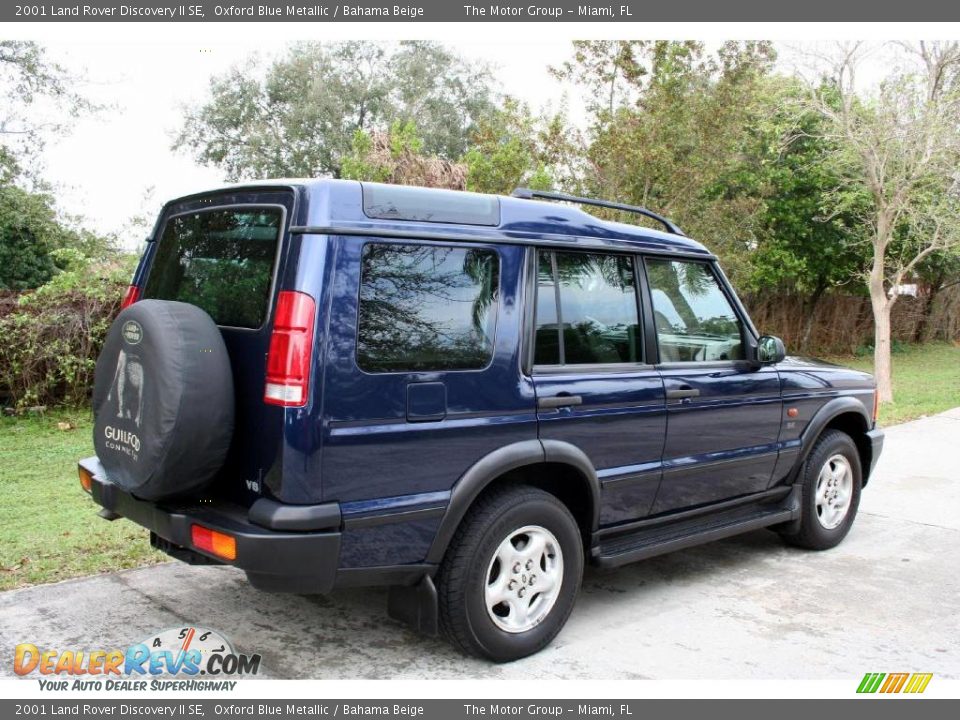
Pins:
<point x="415" y="605"/>
<point x="793" y="501"/>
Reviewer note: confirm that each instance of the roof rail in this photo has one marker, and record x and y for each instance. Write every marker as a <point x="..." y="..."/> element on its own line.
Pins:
<point x="528" y="194"/>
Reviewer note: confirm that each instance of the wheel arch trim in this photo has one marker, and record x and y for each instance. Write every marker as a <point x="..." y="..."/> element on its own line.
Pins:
<point x="497" y="463"/>
<point x="844" y="405"/>
<point x="564" y="453"/>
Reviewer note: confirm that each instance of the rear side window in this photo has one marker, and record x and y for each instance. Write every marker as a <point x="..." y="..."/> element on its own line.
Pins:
<point x="586" y="310"/>
<point x="220" y="260"/>
<point x="426" y="307"/>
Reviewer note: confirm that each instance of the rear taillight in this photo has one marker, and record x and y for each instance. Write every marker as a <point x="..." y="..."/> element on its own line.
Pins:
<point x="291" y="350"/>
<point x="86" y="479"/>
<point x="130" y="297"/>
<point x="214" y="542"/>
<point x="876" y="406"/>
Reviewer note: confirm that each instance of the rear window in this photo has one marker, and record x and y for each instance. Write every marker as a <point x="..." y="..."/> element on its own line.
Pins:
<point x="220" y="260"/>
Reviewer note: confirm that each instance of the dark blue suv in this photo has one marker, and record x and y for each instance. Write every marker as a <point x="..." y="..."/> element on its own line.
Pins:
<point x="464" y="397"/>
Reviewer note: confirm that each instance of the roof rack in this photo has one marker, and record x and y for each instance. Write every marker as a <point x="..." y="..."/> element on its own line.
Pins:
<point x="528" y="194"/>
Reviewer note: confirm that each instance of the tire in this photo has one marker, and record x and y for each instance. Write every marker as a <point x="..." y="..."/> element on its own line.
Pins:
<point x="831" y="473"/>
<point x="163" y="400"/>
<point x="510" y="516"/>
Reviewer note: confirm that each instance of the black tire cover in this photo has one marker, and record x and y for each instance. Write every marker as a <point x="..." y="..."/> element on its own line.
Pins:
<point x="162" y="400"/>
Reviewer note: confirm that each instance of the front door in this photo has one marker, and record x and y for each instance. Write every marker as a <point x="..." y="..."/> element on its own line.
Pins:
<point x="723" y="413"/>
<point x="594" y="389"/>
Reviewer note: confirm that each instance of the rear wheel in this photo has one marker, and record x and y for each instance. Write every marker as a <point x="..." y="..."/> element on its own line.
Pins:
<point x="832" y="479"/>
<point x="510" y="577"/>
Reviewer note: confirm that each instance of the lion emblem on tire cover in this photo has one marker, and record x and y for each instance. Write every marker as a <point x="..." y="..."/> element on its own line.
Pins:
<point x="128" y="386"/>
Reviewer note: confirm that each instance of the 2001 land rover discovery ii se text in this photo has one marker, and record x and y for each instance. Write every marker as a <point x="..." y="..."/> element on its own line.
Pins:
<point x="465" y="397"/>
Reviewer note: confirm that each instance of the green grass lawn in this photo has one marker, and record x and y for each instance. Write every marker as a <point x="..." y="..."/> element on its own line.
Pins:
<point x="926" y="380"/>
<point x="49" y="529"/>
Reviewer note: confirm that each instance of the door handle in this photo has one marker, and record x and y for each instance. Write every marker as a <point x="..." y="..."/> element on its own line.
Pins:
<point x="683" y="393"/>
<point x="558" y="401"/>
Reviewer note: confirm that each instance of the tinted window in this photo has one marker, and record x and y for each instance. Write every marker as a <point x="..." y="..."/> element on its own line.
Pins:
<point x="401" y="202"/>
<point x="547" y="346"/>
<point x="597" y="319"/>
<point x="695" y="321"/>
<point x="424" y="307"/>
<point x="219" y="260"/>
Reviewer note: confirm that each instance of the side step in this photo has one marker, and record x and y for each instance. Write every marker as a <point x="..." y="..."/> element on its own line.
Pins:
<point x="658" y="536"/>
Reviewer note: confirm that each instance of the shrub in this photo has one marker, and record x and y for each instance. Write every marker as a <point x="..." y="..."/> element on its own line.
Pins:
<point x="50" y="337"/>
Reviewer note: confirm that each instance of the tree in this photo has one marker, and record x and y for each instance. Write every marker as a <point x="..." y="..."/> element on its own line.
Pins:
<point x="669" y="120"/>
<point x="298" y="116"/>
<point x="397" y="157"/>
<point x="28" y="231"/>
<point x="28" y="77"/>
<point x="799" y="245"/>
<point x="513" y="148"/>
<point x="900" y="146"/>
<point x="35" y="244"/>
<point x="610" y="70"/>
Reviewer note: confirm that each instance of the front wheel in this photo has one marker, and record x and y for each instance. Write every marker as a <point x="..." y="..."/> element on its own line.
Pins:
<point x="511" y="575"/>
<point x="832" y="480"/>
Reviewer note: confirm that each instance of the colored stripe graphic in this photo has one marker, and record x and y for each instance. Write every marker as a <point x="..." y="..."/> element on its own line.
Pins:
<point x="894" y="683"/>
<point x="870" y="682"/>
<point x="918" y="683"/>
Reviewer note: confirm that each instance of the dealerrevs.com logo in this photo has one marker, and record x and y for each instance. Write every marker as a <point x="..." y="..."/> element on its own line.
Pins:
<point x="189" y="658"/>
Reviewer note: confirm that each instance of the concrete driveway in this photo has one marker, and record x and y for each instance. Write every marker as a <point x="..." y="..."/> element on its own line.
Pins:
<point x="886" y="600"/>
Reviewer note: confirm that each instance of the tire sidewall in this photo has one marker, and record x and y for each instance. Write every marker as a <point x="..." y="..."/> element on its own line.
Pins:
<point x="495" y="642"/>
<point x="833" y="444"/>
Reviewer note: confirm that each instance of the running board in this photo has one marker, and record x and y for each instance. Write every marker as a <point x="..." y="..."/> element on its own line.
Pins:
<point x="685" y="531"/>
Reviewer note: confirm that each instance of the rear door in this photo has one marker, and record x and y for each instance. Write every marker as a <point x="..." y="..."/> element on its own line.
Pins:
<point x="421" y="371"/>
<point x="595" y="389"/>
<point x="223" y="253"/>
<point x="723" y="413"/>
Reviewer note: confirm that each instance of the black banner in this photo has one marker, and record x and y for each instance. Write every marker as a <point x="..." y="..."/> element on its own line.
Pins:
<point x="620" y="11"/>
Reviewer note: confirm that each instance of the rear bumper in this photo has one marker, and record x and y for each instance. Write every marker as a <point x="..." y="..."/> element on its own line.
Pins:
<point x="876" y="447"/>
<point x="299" y="562"/>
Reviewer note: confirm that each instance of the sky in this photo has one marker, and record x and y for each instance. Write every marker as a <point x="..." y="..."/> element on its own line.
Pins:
<point x="107" y="165"/>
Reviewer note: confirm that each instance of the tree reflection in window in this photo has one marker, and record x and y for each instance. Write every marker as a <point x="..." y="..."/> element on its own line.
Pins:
<point x="426" y="307"/>
<point x="221" y="261"/>
<point x="695" y="321"/>
<point x="597" y="320"/>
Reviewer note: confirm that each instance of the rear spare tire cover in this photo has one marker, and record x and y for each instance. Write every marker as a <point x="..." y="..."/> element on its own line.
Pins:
<point x="162" y="400"/>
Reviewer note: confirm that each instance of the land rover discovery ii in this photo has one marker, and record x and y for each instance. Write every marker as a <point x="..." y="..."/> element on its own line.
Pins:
<point x="464" y="397"/>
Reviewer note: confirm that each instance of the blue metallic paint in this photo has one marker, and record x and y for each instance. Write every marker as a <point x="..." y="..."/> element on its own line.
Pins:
<point x="724" y="442"/>
<point x="391" y="443"/>
<point x="399" y="543"/>
<point x="620" y="426"/>
<point x="365" y="415"/>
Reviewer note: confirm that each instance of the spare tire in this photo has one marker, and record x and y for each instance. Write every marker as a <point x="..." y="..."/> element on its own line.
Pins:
<point x="162" y="400"/>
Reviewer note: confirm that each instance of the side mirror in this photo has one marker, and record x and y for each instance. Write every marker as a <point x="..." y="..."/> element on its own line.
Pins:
<point x="770" y="350"/>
